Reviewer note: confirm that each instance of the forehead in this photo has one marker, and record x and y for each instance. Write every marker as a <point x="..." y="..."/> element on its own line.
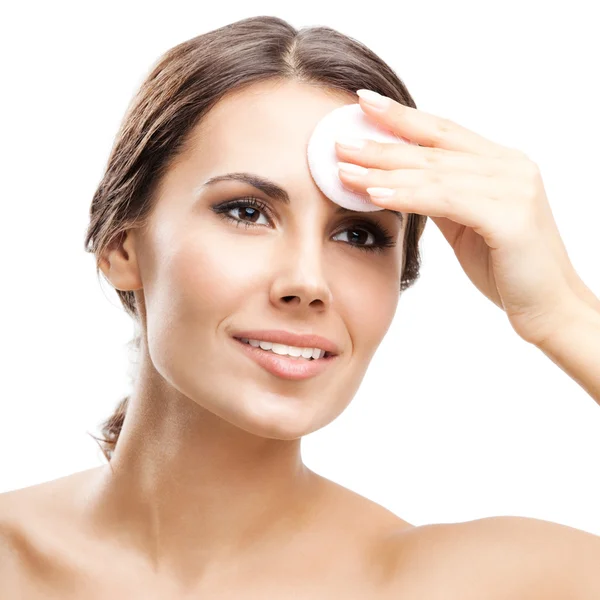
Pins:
<point x="250" y="128"/>
<point x="263" y="129"/>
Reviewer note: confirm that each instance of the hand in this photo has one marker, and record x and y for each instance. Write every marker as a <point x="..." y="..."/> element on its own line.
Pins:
<point x="489" y="203"/>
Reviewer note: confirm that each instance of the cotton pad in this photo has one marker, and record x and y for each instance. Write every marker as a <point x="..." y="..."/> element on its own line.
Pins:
<point x="346" y="121"/>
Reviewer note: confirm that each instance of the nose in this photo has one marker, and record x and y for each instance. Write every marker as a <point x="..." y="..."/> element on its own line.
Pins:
<point x="301" y="281"/>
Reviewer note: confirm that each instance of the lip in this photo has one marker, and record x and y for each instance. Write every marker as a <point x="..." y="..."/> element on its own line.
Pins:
<point x="285" y="367"/>
<point x="278" y="336"/>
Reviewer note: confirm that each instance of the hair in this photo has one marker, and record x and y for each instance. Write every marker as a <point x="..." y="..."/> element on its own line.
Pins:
<point x="181" y="88"/>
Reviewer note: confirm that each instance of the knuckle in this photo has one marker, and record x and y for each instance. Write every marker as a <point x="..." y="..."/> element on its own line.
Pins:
<point x="532" y="170"/>
<point x="444" y="196"/>
<point x="531" y="175"/>
<point x="432" y="158"/>
<point x="442" y="129"/>
<point x="435" y="178"/>
<point x="516" y="153"/>
<point x="532" y="189"/>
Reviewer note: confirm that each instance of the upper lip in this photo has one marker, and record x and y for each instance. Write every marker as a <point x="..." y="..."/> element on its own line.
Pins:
<point x="277" y="336"/>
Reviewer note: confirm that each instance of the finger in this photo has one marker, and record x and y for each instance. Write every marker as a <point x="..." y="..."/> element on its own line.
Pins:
<point x="384" y="155"/>
<point x="431" y="130"/>
<point x="471" y="200"/>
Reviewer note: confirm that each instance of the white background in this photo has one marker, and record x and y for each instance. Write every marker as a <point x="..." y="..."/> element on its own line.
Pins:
<point x="457" y="418"/>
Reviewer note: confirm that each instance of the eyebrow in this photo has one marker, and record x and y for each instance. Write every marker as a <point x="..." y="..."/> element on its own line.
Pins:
<point x="273" y="190"/>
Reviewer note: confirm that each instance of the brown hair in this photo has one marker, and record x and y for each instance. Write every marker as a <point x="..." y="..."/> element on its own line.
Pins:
<point x="182" y="86"/>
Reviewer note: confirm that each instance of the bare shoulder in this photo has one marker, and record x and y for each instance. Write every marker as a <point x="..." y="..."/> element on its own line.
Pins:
<point x="12" y="544"/>
<point x="349" y="506"/>
<point x="29" y="546"/>
<point x="499" y="558"/>
<point x="12" y="531"/>
<point x="567" y="557"/>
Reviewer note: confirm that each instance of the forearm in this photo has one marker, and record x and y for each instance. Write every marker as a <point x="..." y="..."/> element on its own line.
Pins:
<point x="584" y="292"/>
<point x="575" y="348"/>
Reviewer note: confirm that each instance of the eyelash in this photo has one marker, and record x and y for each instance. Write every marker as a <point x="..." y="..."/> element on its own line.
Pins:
<point x="383" y="239"/>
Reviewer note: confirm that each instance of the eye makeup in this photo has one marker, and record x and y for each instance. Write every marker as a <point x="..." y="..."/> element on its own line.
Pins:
<point x="382" y="237"/>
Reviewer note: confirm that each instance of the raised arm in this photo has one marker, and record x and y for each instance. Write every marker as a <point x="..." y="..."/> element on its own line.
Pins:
<point x="574" y="346"/>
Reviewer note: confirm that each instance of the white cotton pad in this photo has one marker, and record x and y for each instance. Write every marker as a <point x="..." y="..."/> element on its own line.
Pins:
<point x="346" y="121"/>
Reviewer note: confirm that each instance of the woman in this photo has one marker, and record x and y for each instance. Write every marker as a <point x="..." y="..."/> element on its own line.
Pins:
<point x="205" y="493"/>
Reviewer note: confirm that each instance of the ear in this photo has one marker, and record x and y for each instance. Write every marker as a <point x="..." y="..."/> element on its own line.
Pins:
<point x="119" y="263"/>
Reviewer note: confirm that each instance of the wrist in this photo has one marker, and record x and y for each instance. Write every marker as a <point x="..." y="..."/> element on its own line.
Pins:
<point x="579" y="316"/>
<point x="586" y="295"/>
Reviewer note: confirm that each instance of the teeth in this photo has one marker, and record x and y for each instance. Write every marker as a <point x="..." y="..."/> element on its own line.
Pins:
<point x="283" y="350"/>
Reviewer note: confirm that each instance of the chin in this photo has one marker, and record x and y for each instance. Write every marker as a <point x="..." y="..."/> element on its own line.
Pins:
<point x="275" y="416"/>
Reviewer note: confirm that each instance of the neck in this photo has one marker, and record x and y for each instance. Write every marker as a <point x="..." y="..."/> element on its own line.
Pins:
<point x="188" y="490"/>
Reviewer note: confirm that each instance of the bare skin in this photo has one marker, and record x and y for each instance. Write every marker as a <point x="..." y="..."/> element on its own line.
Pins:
<point x="206" y="494"/>
<point x="59" y="547"/>
<point x="345" y="546"/>
<point x="207" y="489"/>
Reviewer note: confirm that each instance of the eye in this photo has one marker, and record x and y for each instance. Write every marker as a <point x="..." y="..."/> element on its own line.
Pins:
<point x="251" y="209"/>
<point x="358" y="233"/>
<point x="253" y="206"/>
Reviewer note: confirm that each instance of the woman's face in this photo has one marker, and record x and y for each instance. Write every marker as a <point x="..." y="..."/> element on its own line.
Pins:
<point x="208" y="273"/>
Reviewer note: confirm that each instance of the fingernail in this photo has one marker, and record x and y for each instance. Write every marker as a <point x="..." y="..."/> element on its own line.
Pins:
<point x="380" y="192"/>
<point x="374" y="99"/>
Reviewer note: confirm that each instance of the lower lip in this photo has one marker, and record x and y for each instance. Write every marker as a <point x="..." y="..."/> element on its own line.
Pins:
<point x="286" y="366"/>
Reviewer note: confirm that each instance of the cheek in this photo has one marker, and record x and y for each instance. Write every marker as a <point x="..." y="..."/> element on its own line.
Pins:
<point x="376" y="308"/>
<point x="374" y="302"/>
<point x="197" y="283"/>
<point x="202" y="274"/>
